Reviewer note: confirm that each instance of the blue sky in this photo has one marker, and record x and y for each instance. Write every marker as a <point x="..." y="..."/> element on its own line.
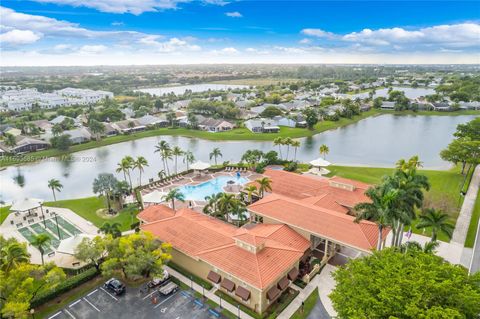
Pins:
<point x="86" y="32"/>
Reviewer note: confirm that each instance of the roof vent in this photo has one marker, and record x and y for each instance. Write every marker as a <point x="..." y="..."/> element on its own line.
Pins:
<point x="337" y="184"/>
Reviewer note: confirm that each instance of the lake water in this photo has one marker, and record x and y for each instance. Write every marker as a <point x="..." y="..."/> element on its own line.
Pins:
<point x="411" y="93"/>
<point x="377" y="141"/>
<point x="179" y="90"/>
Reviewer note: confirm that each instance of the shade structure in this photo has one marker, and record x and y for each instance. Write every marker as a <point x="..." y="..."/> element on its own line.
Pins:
<point x="227" y="284"/>
<point x="199" y="166"/>
<point x="242" y="293"/>
<point x="26" y="204"/>
<point x="154" y="197"/>
<point x="320" y="162"/>
<point x="214" y="277"/>
<point x="67" y="246"/>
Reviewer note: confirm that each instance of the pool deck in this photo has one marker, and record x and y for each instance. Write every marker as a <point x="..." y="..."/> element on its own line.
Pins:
<point x="193" y="179"/>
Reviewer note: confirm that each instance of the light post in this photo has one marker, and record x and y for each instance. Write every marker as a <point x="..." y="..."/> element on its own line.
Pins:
<point x="191" y="283"/>
<point x="43" y="217"/>
<point x="32" y="312"/>
<point x="203" y="291"/>
<point x="58" y="228"/>
<point x="238" y="307"/>
<point x="220" y="301"/>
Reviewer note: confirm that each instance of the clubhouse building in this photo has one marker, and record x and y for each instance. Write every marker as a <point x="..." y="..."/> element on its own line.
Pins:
<point x="301" y="217"/>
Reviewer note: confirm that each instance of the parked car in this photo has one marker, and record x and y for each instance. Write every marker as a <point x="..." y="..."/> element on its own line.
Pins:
<point x="159" y="281"/>
<point x="168" y="289"/>
<point x="115" y="286"/>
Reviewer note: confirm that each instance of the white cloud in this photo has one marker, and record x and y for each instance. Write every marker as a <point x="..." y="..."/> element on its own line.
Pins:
<point x="318" y="33"/>
<point x="92" y="49"/>
<point x="225" y="51"/>
<point x="289" y="49"/>
<point x="305" y="41"/>
<point x="16" y="36"/>
<point x="234" y="14"/>
<point x="135" y="7"/>
<point x="62" y="47"/>
<point x="117" y="23"/>
<point x="171" y="45"/>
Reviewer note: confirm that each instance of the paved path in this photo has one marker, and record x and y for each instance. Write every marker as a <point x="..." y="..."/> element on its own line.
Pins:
<point x="463" y="221"/>
<point x="297" y="302"/>
<point x="210" y="294"/>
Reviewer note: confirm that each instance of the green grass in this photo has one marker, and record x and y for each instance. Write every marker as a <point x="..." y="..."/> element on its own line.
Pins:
<point x="4" y="211"/>
<point x="440" y="113"/>
<point x="88" y="207"/>
<point x="309" y="304"/>
<point x="444" y="191"/>
<point x="472" y="229"/>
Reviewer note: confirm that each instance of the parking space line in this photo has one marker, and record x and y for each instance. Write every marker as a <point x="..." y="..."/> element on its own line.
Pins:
<point x="55" y="315"/>
<point x="164" y="301"/>
<point x="73" y="304"/>
<point x="109" y="294"/>
<point x="68" y="312"/>
<point x="92" y="292"/>
<point x="91" y="304"/>
<point x="149" y="295"/>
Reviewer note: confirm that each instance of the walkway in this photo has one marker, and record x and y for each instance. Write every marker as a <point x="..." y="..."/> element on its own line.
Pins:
<point x="463" y="221"/>
<point x="210" y="294"/>
<point x="475" y="261"/>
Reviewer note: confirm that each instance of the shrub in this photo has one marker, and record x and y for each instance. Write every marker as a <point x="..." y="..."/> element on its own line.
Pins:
<point x="291" y="167"/>
<point x="68" y="284"/>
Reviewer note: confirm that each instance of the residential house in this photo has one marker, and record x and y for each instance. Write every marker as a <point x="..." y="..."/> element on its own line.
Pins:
<point x="79" y="135"/>
<point x="262" y="125"/>
<point x="128" y="126"/>
<point x="42" y="125"/>
<point x="215" y="125"/>
<point x="334" y="109"/>
<point x="151" y="121"/>
<point x="13" y="131"/>
<point x="128" y="112"/>
<point x="59" y="120"/>
<point x="441" y="106"/>
<point x="474" y="105"/>
<point x="24" y="144"/>
<point x="387" y="105"/>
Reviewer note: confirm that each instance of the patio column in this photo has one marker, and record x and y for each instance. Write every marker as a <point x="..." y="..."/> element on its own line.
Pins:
<point x="326" y="253"/>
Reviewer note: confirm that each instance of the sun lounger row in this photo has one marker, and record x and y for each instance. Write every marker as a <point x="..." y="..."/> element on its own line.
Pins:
<point x="235" y="169"/>
<point x="165" y="182"/>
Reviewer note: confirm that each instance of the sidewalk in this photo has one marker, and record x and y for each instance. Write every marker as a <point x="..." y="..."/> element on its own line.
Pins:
<point x="210" y="294"/>
<point x="297" y="302"/>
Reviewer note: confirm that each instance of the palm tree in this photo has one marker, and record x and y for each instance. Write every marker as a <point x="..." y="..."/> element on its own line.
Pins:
<point x="111" y="229"/>
<point x="176" y="151"/>
<point x="324" y="150"/>
<point x="288" y="141"/>
<point x="10" y="140"/>
<point x="97" y="128"/>
<point x="279" y="141"/>
<point x="174" y="194"/>
<point x="162" y="174"/>
<point x="250" y="189"/>
<point x="165" y="154"/>
<point x="378" y="210"/>
<point x="188" y="158"/>
<point x="295" y="144"/>
<point x="264" y="184"/>
<point x="139" y="164"/>
<point x="215" y="153"/>
<point x="226" y="203"/>
<point x="211" y="208"/>
<point x="41" y="241"/>
<point x="55" y="185"/>
<point x="125" y="165"/>
<point x="438" y="221"/>
<point x="13" y="255"/>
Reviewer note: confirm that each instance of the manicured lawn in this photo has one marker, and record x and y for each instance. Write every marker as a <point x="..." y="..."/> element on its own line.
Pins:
<point x="444" y="191"/>
<point x="4" y="211"/>
<point x="88" y="207"/>
<point x="472" y="229"/>
<point x="309" y="304"/>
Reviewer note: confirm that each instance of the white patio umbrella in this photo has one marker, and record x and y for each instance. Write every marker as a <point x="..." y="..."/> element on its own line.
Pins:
<point x="67" y="246"/>
<point x="199" y="166"/>
<point x="154" y="197"/>
<point x="320" y="162"/>
<point x="26" y="204"/>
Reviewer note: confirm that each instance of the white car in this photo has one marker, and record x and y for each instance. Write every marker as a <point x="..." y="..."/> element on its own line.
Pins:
<point x="159" y="281"/>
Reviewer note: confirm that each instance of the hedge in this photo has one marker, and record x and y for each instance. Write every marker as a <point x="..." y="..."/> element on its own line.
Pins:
<point x="66" y="285"/>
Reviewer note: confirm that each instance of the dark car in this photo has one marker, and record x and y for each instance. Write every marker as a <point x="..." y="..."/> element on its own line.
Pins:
<point x="115" y="286"/>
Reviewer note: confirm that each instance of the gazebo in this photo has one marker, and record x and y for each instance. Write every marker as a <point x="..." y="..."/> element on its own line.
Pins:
<point x="154" y="197"/>
<point x="26" y="205"/>
<point x="68" y="246"/>
<point x="320" y="163"/>
<point x="200" y="166"/>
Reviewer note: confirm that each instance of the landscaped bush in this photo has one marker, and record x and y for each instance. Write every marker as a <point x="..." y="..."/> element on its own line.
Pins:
<point x="68" y="284"/>
<point x="291" y="167"/>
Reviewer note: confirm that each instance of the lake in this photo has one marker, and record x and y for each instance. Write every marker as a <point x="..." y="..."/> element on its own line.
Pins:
<point x="179" y="90"/>
<point x="411" y="93"/>
<point x="377" y="141"/>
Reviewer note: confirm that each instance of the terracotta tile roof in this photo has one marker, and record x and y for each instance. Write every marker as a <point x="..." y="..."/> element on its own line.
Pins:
<point x="325" y="223"/>
<point x="155" y="212"/>
<point x="213" y="241"/>
<point x="321" y="192"/>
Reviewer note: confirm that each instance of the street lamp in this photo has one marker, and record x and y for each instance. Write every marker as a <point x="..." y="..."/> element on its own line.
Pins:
<point x="32" y="312"/>
<point x="43" y="217"/>
<point x="58" y="228"/>
<point x="220" y="301"/>
<point x="238" y="307"/>
<point x="203" y="291"/>
<point x="191" y="282"/>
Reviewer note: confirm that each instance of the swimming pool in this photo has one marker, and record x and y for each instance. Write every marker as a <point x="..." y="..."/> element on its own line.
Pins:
<point x="209" y="188"/>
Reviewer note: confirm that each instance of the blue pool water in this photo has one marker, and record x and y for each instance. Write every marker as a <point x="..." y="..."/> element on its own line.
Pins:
<point x="209" y="188"/>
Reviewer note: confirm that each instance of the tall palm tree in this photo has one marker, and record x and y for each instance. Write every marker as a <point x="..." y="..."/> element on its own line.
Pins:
<point x="165" y="151"/>
<point x="139" y="164"/>
<point x="176" y="152"/>
<point x="226" y="203"/>
<point x="264" y="184"/>
<point x="162" y="174"/>
<point x="288" y="141"/>
<point x="295" y="144"/>
<point x="111" y="229"/>
<point x="13" y="254"/>
<point x="279" y="142"/>
<point x="324" y="150"/>
<point x="174" y="194"/>
<point x="10" y="140"/>
<point x="125" y="165"/>
<point x="188" y="158"/>
<point x="55" y="185"/>
<point x="437" y="221"/>
<point x="250" y="189"/>
<point x="211" y="208"/>
<point x="41" y="241"/>
<point x="215" y="153"/>
<point x="378" y="210"/>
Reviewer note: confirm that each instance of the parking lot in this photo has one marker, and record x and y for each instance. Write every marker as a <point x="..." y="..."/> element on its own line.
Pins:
<point x="137" y="303"/>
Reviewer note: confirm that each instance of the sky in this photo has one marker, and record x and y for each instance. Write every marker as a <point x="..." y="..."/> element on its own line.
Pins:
<point x="137" y="32"/>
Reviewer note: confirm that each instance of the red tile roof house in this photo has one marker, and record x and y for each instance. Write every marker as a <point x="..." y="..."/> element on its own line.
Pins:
<point x="254" y="264"/>
<point x="321" y="210"/>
